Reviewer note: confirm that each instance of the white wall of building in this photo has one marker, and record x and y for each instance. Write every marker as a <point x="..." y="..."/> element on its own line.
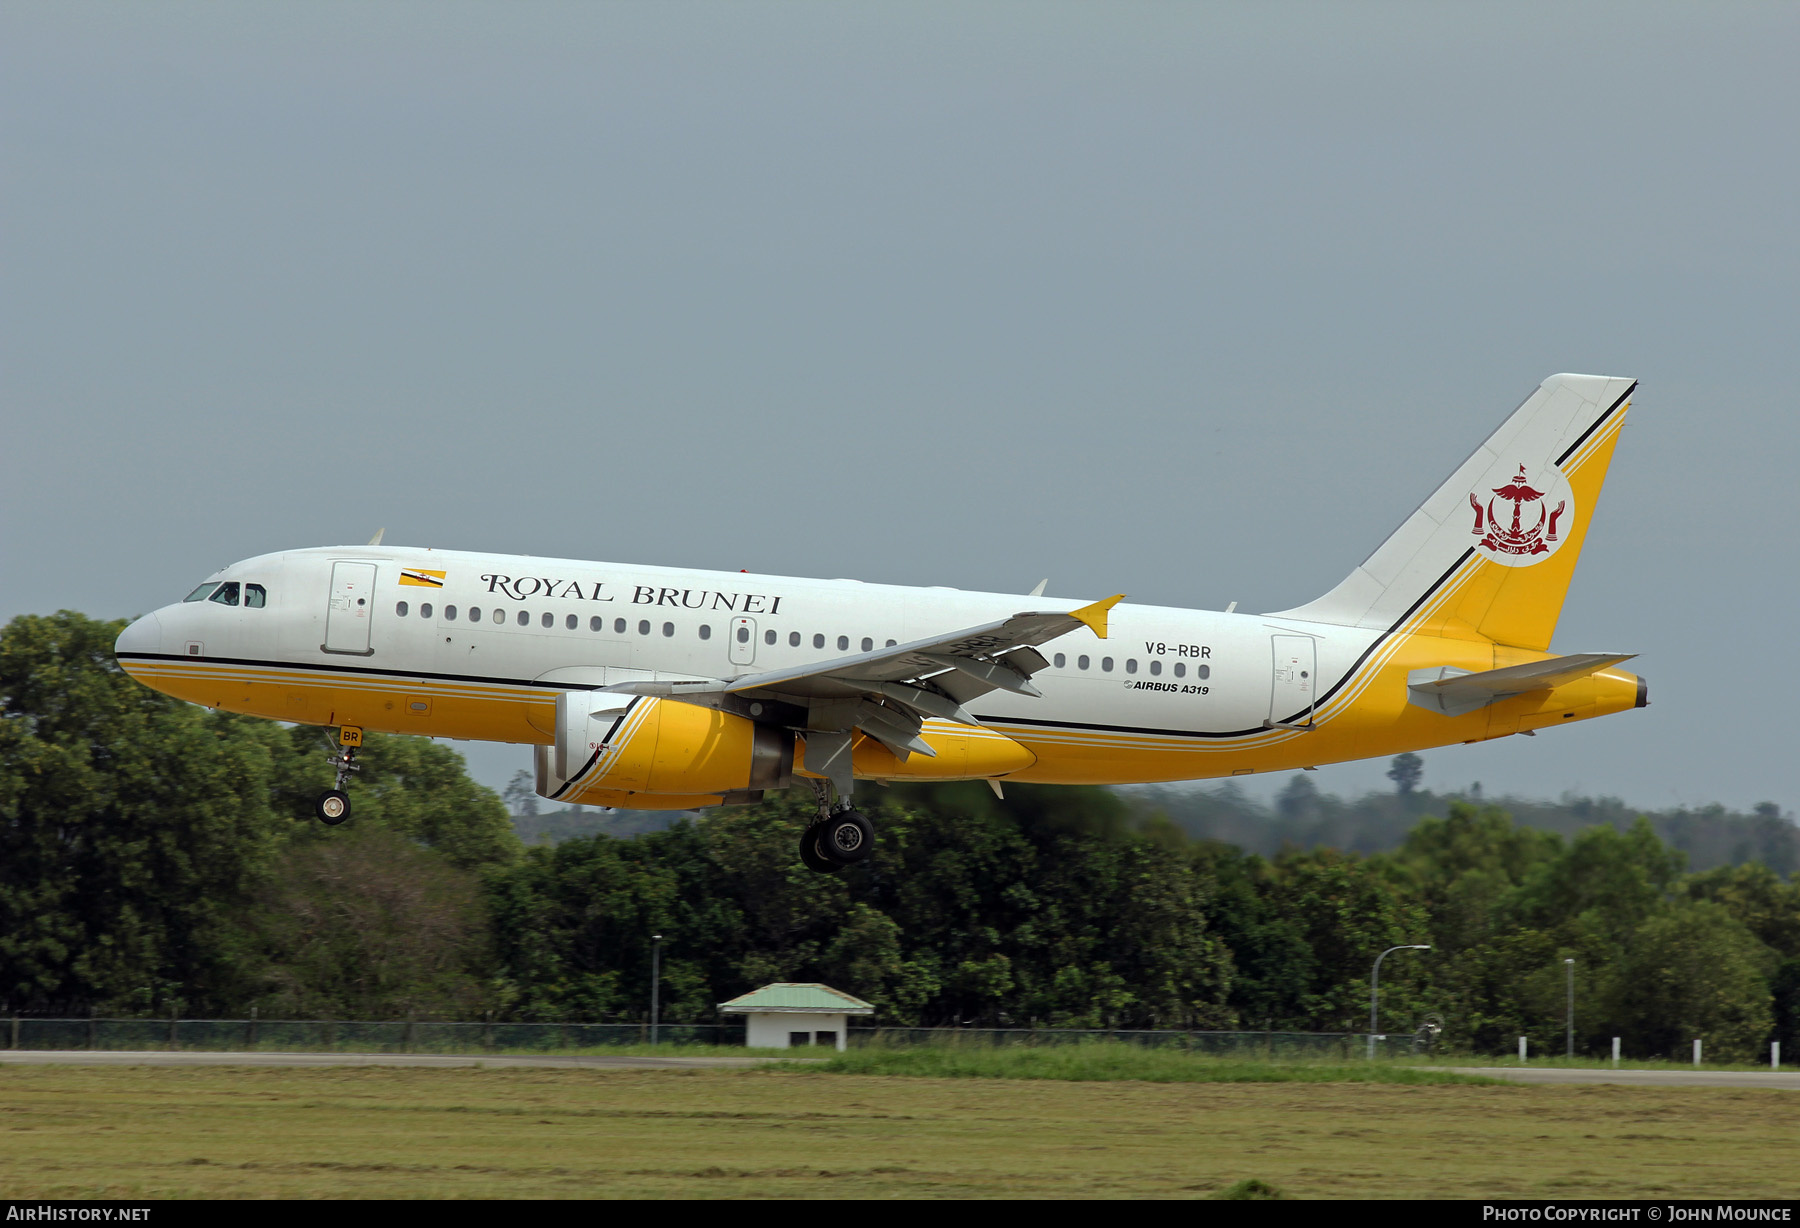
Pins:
<point x="774" y="1029"/>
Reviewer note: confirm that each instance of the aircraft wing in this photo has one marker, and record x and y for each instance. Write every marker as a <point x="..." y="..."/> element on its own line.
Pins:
<point x="889" y="692"/>
<point x="1455" y="691"/>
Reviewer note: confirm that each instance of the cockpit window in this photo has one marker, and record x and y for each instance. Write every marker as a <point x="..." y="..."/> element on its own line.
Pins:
<point x="227" y="593"/>
<point x="200" y="593"/>
<point x="255" y="596"/>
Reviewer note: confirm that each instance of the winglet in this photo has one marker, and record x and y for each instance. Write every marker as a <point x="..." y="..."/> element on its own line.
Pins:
<point x="1095" y="615"/>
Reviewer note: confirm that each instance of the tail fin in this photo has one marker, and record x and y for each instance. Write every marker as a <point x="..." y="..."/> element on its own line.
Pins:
<point x="1491" y="553"/>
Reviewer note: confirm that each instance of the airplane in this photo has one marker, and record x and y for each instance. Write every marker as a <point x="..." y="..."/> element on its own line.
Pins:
<point x="664" y="688"/>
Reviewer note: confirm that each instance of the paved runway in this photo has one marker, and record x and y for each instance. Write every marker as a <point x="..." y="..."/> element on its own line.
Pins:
<point x="122" y="1057"/>
<point x="1787" y="1080"/>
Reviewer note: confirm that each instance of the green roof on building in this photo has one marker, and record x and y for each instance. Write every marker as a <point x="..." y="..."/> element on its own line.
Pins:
<point x="798" y="996"/>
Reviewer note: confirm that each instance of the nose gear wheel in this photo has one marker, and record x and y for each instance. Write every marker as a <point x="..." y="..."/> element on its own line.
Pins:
<point x="333" y="806"/>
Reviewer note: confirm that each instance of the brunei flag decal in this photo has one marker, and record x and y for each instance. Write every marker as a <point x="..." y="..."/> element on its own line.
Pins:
<point x="422" y="579"/>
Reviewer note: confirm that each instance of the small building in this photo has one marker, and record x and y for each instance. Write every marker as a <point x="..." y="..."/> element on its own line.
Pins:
<point x="788" y="1014"/>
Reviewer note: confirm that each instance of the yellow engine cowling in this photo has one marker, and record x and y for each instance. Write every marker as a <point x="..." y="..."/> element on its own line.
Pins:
<point x="963" y="753"/>
<point x="648" y="753"/>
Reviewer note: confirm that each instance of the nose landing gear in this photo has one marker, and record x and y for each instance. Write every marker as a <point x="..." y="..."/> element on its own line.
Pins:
<point x="333" y="806"/>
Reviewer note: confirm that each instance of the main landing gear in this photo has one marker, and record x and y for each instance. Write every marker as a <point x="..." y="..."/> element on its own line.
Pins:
<point x="837" y="838"/>
<point x="333" y="806"/>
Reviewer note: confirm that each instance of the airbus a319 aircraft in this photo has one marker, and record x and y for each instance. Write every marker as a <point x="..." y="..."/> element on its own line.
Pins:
<point x="663" y="688"/>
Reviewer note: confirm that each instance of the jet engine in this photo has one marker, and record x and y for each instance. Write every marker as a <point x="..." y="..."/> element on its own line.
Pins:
<point x="656" y="754"/>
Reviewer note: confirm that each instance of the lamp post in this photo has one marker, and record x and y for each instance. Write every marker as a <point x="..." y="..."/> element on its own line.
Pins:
<point x="1569" y="1048"/>
<point x="1375" y="987"/>
<point x="655" y="982"/>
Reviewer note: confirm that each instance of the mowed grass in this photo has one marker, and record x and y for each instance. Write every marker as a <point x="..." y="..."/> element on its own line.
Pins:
<point x="1103" y="1061"/>
<point x="797" y="1132"/>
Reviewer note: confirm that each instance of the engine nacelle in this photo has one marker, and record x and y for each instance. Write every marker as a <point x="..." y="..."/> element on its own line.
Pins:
<point x="610" y="750"/>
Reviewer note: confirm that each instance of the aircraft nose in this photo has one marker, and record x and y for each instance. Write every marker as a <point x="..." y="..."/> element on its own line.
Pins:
<point x="144" y="635"/>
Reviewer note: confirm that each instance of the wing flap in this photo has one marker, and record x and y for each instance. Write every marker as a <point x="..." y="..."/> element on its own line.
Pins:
<point x="888" y="693"/>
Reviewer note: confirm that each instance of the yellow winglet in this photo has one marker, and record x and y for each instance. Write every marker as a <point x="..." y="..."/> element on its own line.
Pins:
<point x="1095" y="615"/>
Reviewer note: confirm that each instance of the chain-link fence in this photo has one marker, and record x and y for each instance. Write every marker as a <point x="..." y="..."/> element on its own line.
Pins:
<point x="402" y="1036"/>
<point x="350" y="1036"/>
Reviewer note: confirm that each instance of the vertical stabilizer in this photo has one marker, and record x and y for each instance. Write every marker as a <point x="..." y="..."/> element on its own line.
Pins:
<point x="1491" y="553"/>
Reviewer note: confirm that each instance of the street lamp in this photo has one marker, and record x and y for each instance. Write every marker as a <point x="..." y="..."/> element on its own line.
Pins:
<point x="1375" y="986"/>
<point x="1569" y="967"/>
<point x="655" y="981"/>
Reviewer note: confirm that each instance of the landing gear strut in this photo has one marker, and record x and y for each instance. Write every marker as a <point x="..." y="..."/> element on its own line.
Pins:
<point x="333" y="806"/>
<point x="839" y="837"/>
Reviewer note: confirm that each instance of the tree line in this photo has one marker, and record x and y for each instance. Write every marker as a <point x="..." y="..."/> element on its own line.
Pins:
<point x="155" y="856"/>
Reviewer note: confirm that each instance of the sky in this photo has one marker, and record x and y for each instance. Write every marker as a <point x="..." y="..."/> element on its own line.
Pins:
<point x="1190" y="301"/>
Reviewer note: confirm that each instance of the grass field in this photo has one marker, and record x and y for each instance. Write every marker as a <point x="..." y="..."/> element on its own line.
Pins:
<point x="1105" y="1062"/>
<point x="147" y="1132"/>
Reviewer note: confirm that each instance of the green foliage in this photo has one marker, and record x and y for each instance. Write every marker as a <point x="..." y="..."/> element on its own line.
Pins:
<point x="1043" y="908"/>
<point x="410" y="786"/>
<point x="1380" y="822"/>
<point x="1691" y="971"/>
<point x="1406" y="771"/>
<point x="1250" y="1189"/>
<point x="132" y="829"/>
<point x="156" y="855"/>
<point x="153" y="854"/>
<point x="370" y="925"/>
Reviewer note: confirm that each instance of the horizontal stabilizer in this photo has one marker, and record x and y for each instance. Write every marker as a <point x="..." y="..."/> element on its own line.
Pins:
<point x="1455" y="691"/>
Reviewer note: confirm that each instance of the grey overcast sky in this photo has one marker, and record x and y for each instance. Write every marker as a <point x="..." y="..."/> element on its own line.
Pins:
<point x="1194" y="301"/>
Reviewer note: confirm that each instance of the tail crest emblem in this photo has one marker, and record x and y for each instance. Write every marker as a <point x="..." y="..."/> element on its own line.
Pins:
<point x="1523" y="541"/>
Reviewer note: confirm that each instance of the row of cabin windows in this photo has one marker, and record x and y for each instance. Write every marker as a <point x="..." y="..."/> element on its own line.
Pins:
<point x="1061" y="661"/>
<point x="619" y="625"/>
<point x="230" y="592"/>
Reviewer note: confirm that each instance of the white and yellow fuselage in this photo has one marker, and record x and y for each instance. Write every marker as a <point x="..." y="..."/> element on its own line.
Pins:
<point x="479" y="646"/>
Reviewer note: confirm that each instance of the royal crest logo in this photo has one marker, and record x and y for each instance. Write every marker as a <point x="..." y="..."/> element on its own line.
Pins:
<point x="1532" y="527"/>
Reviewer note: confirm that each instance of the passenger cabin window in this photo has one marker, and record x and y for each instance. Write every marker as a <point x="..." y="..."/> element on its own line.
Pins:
<point x="401" y="608"/>
<point x="768" y="637"/>
<point x="1180" y="670"/>
<point x="618" y="626"/>
<point x="500" y="617"/>
<point x="226" y="593"/>
<point x="868" y="644"/>
<point x="449" y="613"/>
<point x="1106" y="665"/>
<point x="1155" y="668"/>
<point x="425" y="610"/>
<point x="524" y="619"/>
<point x="706" y="631"/>
<point x="1081" y="662"/>
<point x="595" y="623"/>
<point x="843" y="642"/>
<point x="256" y="597"/>
<point x="1059" y="660"/>
<point x="548" y="620"/>
<point x="818" y="641"/>
<point x="890" y="643"/>
<point x="1202" y="671"/>
<point x="644" y="626"/>
<point x="201" y="593"/>
<point x="743" y="635"/>
<point x="571" y="622"/>
<point x="668" y="629"/>
<point x="793" y="639"/>
<point x="1131" y="666"/>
